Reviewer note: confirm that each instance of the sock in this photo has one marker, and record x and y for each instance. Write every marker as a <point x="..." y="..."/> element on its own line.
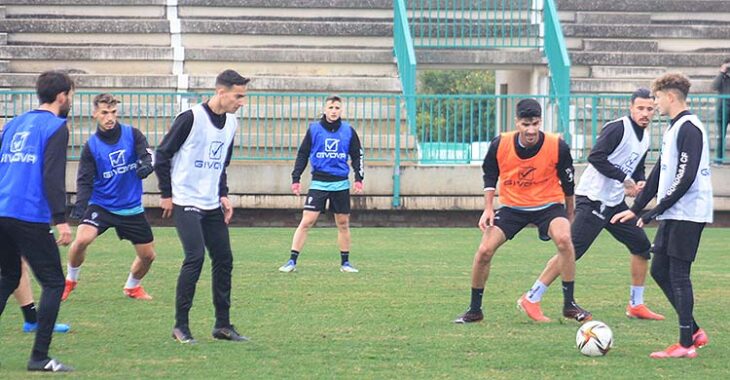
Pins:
<point x="568" y="292"/>
<point x="131" y="282"/>
<point x="685" y="335"/>
<point x="73" y="273"/>
<point x="344" y="257"/>
<point x="29" y="313"/>
<point x="476" y="299"/>
<point x="294" y="256"/>
<point x="535" y="293"/>
<point x="637" y="296"/>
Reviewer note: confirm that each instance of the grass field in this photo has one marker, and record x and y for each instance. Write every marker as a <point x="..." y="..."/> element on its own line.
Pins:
<point x="391" y="320"/>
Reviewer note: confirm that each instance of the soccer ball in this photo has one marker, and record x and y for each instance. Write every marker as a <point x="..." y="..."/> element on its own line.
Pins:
<point x="594" y="338"/>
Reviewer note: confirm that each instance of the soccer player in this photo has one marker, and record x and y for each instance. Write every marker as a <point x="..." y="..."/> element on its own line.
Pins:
<point x="615" y="169"/>
<point x="535" y="173"/>
<point x="190" y="167"/>
<point x="113" y="164"/>
<point x="681" y="182"/>
<point x="327" y="144"/>
<point x="32" y="195"/>
<point x="24" y="295"/>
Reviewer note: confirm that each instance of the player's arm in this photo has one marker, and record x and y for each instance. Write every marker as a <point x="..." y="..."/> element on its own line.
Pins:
<point x="54" y="182"/>
<point x="223" y="188"/>
<point x="490" y="169"/>
<point x="84" y="181"/>
<point x="356" y="160"/>
<point x="144" y="155"/>
<point x="689" y="146"/>
<point x="566" y="173"/>
<point x="607" y="141"/>
<point x="301" y="162"/>
<point x="639" y="174"/>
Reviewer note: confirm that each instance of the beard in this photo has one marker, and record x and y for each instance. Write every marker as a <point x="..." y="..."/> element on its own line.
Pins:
<point x="64" y="110"/>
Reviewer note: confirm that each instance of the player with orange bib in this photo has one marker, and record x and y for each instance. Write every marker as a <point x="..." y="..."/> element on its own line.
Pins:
<point x="535" y="174"/>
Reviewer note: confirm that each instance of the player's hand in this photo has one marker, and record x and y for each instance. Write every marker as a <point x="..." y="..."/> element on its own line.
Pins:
<point x="227" y="209"/>
<point x="144" y="169"/>
<point x="623" y="217"/>
<point x="166" y="206"/>
<point x="64" y="234"/>
<point x="630" y="187"/>
<point x="296" y="188"/>
<point x="487" y="220"/>
<point x="359" y="187"/>
<point x="77" y="212"/>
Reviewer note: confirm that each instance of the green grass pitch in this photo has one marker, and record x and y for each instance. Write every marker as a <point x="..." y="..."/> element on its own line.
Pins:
<point x="390" y="321"/>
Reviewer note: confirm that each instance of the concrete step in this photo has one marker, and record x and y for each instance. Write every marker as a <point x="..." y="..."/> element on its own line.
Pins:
<point x="612" y="45"/>
<point x="628" y="85"/>
<point x="3" y="39"/>
<point x="98" y="82"/>
<point x="648" y="72"/>
<point x="295" y="69"/>
<point x="204" y="41"/>
<point x="308" y="84"/>
<point x="86" y="9"/>
<point x="4" y="66"/>
<point x="100" y="40"/>
<point x="323" y="4"/>
<point x="647" y="31"/>
<point x="482" y="59"/>
<point x="643" y="6"/>
<point x="110" y="27"/>
<point x="281" y="27"/>
<point x="612" y="18"/>
<point x="198" y="12"/>
<point x="646" y="59"/>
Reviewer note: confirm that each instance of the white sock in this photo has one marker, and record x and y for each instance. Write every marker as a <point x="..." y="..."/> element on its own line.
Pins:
<point x="73" y="273"/>
<point x="637" y="295"/>
<point x="131" y="282"/>
<point x="535" y="293"/>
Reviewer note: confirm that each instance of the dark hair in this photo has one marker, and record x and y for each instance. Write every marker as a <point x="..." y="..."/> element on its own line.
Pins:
<point x="230" y="78"/>
<point x="333" y="98"/>
<point x="641" y="92"/>
<point x="528" y="108"/>
<point x="51" y="83"/>
<point x="105" y="99"/>
<point x="677" y="82"/>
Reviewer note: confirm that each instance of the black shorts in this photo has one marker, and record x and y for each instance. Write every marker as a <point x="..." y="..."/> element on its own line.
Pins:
<point x="511" y="221"/>
<point x="678" y="239"/>
<point x="134" y="228"/>
<point x="592" y="216"/>
<point x="339" y="201"/>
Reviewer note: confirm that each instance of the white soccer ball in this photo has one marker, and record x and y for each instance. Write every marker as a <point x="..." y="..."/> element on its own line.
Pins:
<point x="594" y="338"/>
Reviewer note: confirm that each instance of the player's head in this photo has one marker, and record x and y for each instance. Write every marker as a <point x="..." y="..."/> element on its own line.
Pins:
<point x="55" y="88"/>
<point x="670" y="92"/>
<point x="528" y="119"/>
<point x="105" y="111"/>
<point x="332" y="108"/>
<point x="230" y="89"/>
<point x="642" y="107"/>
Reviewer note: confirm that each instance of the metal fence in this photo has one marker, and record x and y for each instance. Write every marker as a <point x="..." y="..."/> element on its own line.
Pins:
<point x="447" y="129"/>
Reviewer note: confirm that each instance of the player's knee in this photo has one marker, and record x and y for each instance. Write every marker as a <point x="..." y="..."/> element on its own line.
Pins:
<point x="11" y="281"/>
<point x="659" y="275"/>
<point x="484" y="255"/>
<point x="148" y="257"/>
<point x="563" y="242"/>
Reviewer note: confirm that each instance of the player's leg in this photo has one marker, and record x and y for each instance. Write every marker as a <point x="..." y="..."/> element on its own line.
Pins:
<point x="89" y="228"/>
<point x="137" y="230"/>
<point x="10" y="266"/>
<point x="558" y="229"/>
<point x="190" y="232"/>
<point x="585" y="228"/>
<point x="41" y="252"/>
<point x="638" y="244"/>
<point x="506" y="227"/>
<point x="340" y="206"/>
<point x="24" y="296"/>
<point x="218" y="242"/>
<point x="314" y="205"/>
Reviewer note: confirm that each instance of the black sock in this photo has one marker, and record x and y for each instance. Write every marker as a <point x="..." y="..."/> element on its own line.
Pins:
<point x="294" y="256"/>
<point x="29" y="313"/>
<point x="568" y="292"/>
<point x="476" y="299"/>
<point x="344" y="257"/>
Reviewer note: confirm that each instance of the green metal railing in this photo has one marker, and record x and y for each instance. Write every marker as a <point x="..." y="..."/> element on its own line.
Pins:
<point x="559" y="65"/>
<point x="448" y="129"/>
<point x="474" y="24"/>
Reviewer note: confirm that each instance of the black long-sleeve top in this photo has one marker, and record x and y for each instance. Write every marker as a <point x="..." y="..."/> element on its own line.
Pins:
<point x="54" y="174"/>
<point x="689" y="145"/>
<point x="565" y="169"/>
<point x="305" y="148"/>
<point x="172" y="142"/>
<point x="87" y="164"/>
<point x="607" y="142"/>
